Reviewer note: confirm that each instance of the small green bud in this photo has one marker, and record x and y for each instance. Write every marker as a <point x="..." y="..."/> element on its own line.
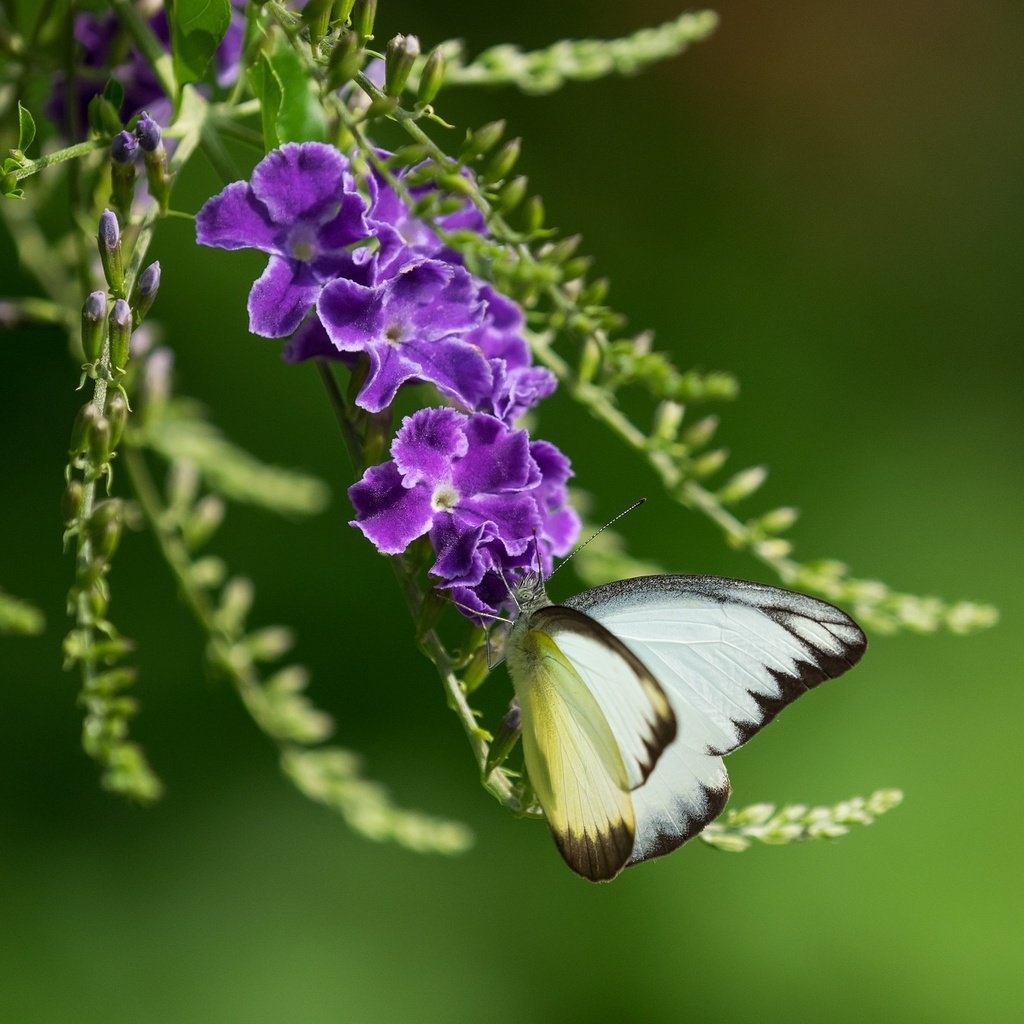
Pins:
<point x="104" y="528"/>
<point x="270" y="643"/>
<point x="482" y="141"/>
<point x="779" y="519"/>
<point x="742" y="485"/>
<point x="399" y="58"/>
<point x="364" y="19"/>
<point x="109" y="241"/>
<point x="71" y="501"/>
<point x="701" y="432"/>
<point x="119" y="330"/>
<point x="406" y="156"/>
<point x="710" y="463"/>
<point x="117" y="413"/>
<point x="667" y="420"/>
<point x="342" y="10"/>
<point x="513" y="193"/>
<point x="503" y="161"/>
<point x="383" y="107"/>
<point x="456" y="183"/>
<point x="346" y="60"/>
<point x="86" y="419"/>
<point x="533" y="215"/>
<point x="577" y="268"/>
<point x="317" y="15"/>
<point x="204" y="520"/>
<point x="590" y="360"/>
<point x="94" y="316"/>
<point x="505" y="740"/>
<point x="103" y="116"/>
<point x="99" y="442"/>
<point x="596" y="292"/>
<point x="432" y="77"/>
<point x="561" y="251"/>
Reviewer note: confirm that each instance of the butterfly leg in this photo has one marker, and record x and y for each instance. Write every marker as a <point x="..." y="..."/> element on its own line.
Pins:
<point x="505" y="740"/>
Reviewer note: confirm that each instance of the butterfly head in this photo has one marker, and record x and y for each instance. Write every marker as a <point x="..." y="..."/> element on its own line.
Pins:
<point x="529" y="593"/>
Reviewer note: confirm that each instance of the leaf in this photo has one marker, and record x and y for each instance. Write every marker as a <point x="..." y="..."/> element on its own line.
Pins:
<point x="289" y="101"/>
<point x="26" y="128"/>
<point x="197" y="28"/>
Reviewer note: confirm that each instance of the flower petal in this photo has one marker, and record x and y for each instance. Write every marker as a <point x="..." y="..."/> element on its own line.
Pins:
<point x="352" y="314"/>
<point x="498" y="459"/>
<point x="427" y="443"/>
<point x="389" y="370"/>
<point x="511" y="518"/>
<point x="281" y="297"/>
<point x="301" y="181"/>
<point x="310" y="341"/>
<point x="235" y="219"/>
<point x="454" y="367"/>
<point x="456" y="549"/>
<point x="390" y="515"/>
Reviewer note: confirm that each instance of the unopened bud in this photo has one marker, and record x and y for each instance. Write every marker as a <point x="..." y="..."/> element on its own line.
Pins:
<point x="345" y="61"/>
<point x="667" y="420"/>
<point x="148" y="132"/>
<point x="119" y="330"/>
<point x="364" y="19"/>
<point x="71" y="501"/>
<point x="399" y="58"/>
<point x="94" y="315"/>
<point x="99" y="442"/>
<point x="342" y="10"/>
<point x="742" y="485"/>
<point x="104" y="528"/>
<point x="506" y="739"/>
<point x="503" y="161"/>
<point x="144" y="292"/>
<point x="779" y="519"/>
<point x="200" y="526"/>
<point x="701" y="432"/>
<point x="432" y="77"/>
<point x="270" y="643"/>
<point x="86" y="419"/>
<point x="124" y="148"/>
<point x="117" y="413"/>
<point x="109" y="239"/>
<point x="710" y="462"/>
<point x="513" y="193"/>
<point x="483" y="140"/>
<point x="533" y="215"/>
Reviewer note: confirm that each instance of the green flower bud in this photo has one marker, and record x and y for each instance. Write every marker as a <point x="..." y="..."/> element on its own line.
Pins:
<point x="117" y="413"/>
<point x="99" y="442"/>
<point x="317" y="15"/>
<point x="382" y="107"/>
<point x="432" y="77"/>
<point x="533" y="215"/>
<point x="342" y="10"/>
<point x="482" y="141"/>
<point x="364" y="19"/>
<point x="71" y="501"/>
<point x="513" y="193"/>
<point x="103" y="116"/>
<point x="119" y="330"/>
<point x="81" y="431"/>
<point x="501" y="164"/>
<point x="399" y="58"/>
<point x="104" y="528"/>
<point x="742" y="485"/>
<point x="346" y="60"/>
<point x="94" y="315"/>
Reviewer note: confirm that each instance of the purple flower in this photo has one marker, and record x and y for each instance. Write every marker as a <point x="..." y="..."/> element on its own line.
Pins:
<point x="301" y="207"/>
<point x="412" y="327"/>
<point x="492" y="503"/>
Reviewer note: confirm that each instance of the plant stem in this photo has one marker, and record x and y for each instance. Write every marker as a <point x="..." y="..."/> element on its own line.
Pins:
<point x="69" y="153"/>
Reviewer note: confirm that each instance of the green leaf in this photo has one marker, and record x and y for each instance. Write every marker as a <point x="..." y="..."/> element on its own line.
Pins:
<point x="113" y="93"/>
<point x="26" y="128"/>
<point x="197" y="28"/>
<point x="289" y="100"/>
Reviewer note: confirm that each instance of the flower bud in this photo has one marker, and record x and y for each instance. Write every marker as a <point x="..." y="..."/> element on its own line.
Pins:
<point x="483" y="140"/>
<point x="71" y="501"/>
<point x="148" y="132"/>
<point x="144" y="292"/>
<point x="119" y="330"/>
<point x="533" y="215"/>
<point x="742" y="485"/>
<point x="513" y="193"/>
<point x="506" y="738"/>
<point x="81" y="431"/>
<point x="103" y="116"/>
<point x="342" y="10"/>
<point x="117" y="413"/>
<point x="365" y="18"/>
<point x="432" y="77"/>
<point x="94" y="315"/>
<point x="345" y="61"/>
<point x="99" y="442"/>
<point x="104" y="528"/>
<point x="109" y="238"/>
<point x="124" y="148"/>
<point x="399" y="58"/>
<point x="503" y="161"/>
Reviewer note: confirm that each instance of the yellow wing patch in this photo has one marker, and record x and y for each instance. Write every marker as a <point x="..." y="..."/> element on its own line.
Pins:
<point x="573" y="760"/>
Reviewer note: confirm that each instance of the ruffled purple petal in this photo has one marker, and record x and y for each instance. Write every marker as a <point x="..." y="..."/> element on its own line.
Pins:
<point x="280" y="298"/>
<point x="352" y="314"/>
<point x="235" y="219"/>
<point x="390" y="515"/>
<point x="301" y="181"/>
<point x="310" y="341"/>
<point x="427" y="443"/>
<point x="518" y="390"/>
<point x="454" y="367"/>
<point x="561" y="530"/>
<point x="389" y="370"/>
<point x="511" y="518"/>
<point x="498" y="459"/>
<point x="457" y="554"/>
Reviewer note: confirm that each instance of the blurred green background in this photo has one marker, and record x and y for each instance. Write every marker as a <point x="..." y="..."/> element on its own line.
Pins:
<point x="824" y="198"/>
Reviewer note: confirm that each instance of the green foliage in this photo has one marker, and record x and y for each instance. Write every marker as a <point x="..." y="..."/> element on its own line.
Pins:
<point x="289" y="100"/>
<point x="18" y="617"/>
<point x="197" y="27"/>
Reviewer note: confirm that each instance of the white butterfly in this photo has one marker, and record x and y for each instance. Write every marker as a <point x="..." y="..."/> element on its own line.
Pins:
<point x="630" y="694"/>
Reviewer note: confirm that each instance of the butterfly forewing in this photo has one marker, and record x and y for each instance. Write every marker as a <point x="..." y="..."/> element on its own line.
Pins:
<point x="730" y="654"/>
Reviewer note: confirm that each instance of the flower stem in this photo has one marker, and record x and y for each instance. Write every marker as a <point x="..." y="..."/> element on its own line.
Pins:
<point x="61" y="155"/>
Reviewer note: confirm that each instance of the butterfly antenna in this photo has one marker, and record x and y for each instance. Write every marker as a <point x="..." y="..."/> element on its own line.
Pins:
<point x="483" y="615"/>
<point x="511" y="592"/>
<point x="611" y="522"/>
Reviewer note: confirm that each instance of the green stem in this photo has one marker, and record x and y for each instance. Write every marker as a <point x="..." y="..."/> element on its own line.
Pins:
<point x="149" y="45"/>
<point x="61" y="155"/>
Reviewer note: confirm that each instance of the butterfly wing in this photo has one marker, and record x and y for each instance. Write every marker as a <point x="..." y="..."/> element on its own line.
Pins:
<point x="581" y="772"/>
<point x="729" y="655"/>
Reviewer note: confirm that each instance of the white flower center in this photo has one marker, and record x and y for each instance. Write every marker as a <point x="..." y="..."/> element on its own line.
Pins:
<point x="444" y="498"/>
<point x="393" y="333"/>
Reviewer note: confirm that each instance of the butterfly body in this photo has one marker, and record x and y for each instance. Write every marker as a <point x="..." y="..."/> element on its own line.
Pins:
<point x="631" y="693"/>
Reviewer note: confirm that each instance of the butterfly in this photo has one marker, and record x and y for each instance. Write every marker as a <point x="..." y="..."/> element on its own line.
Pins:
<point x="630" y="694"/>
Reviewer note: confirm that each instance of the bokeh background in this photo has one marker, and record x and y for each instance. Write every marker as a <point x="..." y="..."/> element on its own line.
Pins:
<point x="824" y="198"/>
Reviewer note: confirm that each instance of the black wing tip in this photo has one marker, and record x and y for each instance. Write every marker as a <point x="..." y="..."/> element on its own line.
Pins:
<point x="596" y="858"/>
<point x="715" y="799"/>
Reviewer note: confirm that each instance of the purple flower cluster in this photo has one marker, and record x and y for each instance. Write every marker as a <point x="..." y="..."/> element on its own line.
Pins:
<point x="353" y="273"/>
